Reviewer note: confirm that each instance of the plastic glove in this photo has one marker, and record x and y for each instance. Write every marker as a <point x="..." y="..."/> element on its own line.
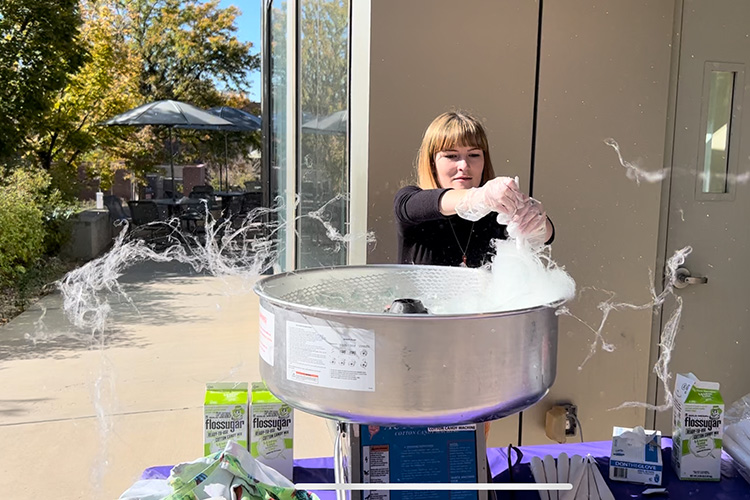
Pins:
<point x="497" y="195"/>
<point x="529" y="225"/>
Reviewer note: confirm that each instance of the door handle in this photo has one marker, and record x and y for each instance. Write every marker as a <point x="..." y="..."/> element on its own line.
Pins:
<point x="683" y="279"/>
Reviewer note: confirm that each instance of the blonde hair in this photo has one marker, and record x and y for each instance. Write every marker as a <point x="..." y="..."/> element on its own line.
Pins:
<point x="447" y="131"/>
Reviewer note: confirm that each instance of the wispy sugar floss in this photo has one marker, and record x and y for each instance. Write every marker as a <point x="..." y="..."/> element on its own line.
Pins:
<point x="523" y="278"/>
<point x="517" y="278"/>
<point x="633" y="171"/>
<point x="245" y="250"/>
<point x="224" y="250"/>
<point x="332" y="233"/>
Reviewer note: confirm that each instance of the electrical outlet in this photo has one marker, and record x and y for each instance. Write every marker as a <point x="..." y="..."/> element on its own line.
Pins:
<point x="571" y="419"/>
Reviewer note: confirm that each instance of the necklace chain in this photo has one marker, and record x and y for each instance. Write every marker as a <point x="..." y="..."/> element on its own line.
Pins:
<point x="463" y="251"/>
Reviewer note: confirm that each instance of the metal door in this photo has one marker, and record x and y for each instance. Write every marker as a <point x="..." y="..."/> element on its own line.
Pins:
<point x="709" y="197"/>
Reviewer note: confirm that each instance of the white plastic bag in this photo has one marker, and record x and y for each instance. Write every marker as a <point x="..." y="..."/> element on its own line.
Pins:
<point x="737" y="435"/>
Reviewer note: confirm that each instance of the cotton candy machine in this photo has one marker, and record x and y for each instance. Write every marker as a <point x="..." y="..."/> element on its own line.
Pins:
<point x="333" y="343"/>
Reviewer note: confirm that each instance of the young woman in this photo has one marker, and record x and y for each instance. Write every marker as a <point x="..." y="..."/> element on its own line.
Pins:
<point x="459" y="205"/>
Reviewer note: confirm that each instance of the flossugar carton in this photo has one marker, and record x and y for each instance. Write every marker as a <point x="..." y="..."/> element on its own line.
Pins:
<point x="271" y="430"/>
<point x="224" y="415"/>
<point x="636" y="456"/>
<point x="697" y="429"/>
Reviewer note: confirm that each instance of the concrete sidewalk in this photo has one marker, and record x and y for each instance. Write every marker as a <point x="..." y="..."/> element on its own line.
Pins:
<point x="81" y="418"/>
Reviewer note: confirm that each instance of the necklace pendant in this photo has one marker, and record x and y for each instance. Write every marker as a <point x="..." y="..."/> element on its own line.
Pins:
<point x="463" y="250"/>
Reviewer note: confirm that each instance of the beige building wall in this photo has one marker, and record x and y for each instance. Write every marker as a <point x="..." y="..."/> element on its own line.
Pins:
<point x="604" y="73"/>
<point x="432" y="56"/>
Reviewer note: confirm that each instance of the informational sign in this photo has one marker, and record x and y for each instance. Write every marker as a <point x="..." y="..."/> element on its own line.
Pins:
<point x="376" y="469"/>
<point x="337" y="358"/>
<point x="266" y="335"/>
<point x="419" y="455"/>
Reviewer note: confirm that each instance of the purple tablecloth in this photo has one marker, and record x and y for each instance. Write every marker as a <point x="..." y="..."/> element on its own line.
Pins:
<point x="320" y="470"/>
<point x="734" y="487"/>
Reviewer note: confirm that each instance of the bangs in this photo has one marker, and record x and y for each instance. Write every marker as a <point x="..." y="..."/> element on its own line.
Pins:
<point x="459" y="132"/>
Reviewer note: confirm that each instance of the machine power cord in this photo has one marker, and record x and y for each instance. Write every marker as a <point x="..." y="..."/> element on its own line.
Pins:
<point x="580" y="427"/>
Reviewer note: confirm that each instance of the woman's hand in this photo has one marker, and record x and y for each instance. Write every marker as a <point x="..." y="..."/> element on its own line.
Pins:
<point x="530" y="224"/>
<point x="499" y="195"/>
<point x="530" y="217"/>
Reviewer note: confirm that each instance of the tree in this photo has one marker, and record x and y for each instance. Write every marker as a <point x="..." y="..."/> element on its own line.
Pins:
<point x="39" y="50"/>
<point x="138" y="51"/>
<point x="105" y="85"/>
<point x="187" y="50"/>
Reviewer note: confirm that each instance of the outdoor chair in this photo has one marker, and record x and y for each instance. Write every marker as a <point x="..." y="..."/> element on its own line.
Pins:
<point x="203" y="195"/>
<point x="146" y="215"/>
<point x="194" y="216"/>
<point x="114" y="207"/>
<point x="246" y="204"/>
<point x="242" y="205"/>
<point x="234" y="206"/>
<point x="251" y="201"/>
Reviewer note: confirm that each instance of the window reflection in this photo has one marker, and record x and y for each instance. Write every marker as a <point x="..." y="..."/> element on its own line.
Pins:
<point x="323" y="172"/>
<point x="718" y="126"/>
<point x="278" y="135"/>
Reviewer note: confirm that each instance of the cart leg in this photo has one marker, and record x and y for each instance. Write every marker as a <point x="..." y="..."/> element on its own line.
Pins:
<point x="339" y="471"/>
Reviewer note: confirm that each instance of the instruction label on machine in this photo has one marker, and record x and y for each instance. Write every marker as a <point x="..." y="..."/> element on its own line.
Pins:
<point x="419" y="455"/>
<point x="266" y="335"/>
<point x="337" y="358"/>
<point x="376" y="468"/>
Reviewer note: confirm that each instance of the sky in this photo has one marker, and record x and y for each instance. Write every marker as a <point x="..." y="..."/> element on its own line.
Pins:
<point x="248" y="30"/>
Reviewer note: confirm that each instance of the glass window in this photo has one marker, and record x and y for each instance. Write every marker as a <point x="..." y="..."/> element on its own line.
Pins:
<point x="323" y="170"/>
<point x="718" y="127"/>
<point x="278" y="111"/>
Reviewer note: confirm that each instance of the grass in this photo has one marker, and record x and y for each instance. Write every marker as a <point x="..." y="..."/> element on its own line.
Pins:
<point x="39" y="280"/>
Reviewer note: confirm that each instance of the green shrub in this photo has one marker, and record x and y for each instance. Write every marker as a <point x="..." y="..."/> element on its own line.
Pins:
<point x="21" y="227"/>
<point x="57" y="214"/>
<point x="33" y="221"/>
<point x="57" y="228"/>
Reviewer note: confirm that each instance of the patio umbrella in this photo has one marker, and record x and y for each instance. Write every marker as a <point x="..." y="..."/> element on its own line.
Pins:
<point x="332" y="124"/>
<point x="242" y="121"/>
<point x="167" y="114"/>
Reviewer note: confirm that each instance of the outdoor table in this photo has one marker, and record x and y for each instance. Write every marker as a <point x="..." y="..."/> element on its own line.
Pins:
<point x="229" y="194"/>
<point x="320" y="470"/>
<point x="175" y="206"/>
<point x="226" y="199"/>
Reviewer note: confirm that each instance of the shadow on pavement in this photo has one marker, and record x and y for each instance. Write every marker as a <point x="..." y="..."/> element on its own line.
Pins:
<point x="15" y="407"/>
<point x="156" y="294"/>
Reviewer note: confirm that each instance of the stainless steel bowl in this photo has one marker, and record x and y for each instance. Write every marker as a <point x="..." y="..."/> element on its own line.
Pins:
<point x="328" y="347"/>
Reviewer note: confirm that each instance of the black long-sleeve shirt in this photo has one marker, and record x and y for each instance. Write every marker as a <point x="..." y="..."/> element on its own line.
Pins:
<point x="425" y="236"/>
